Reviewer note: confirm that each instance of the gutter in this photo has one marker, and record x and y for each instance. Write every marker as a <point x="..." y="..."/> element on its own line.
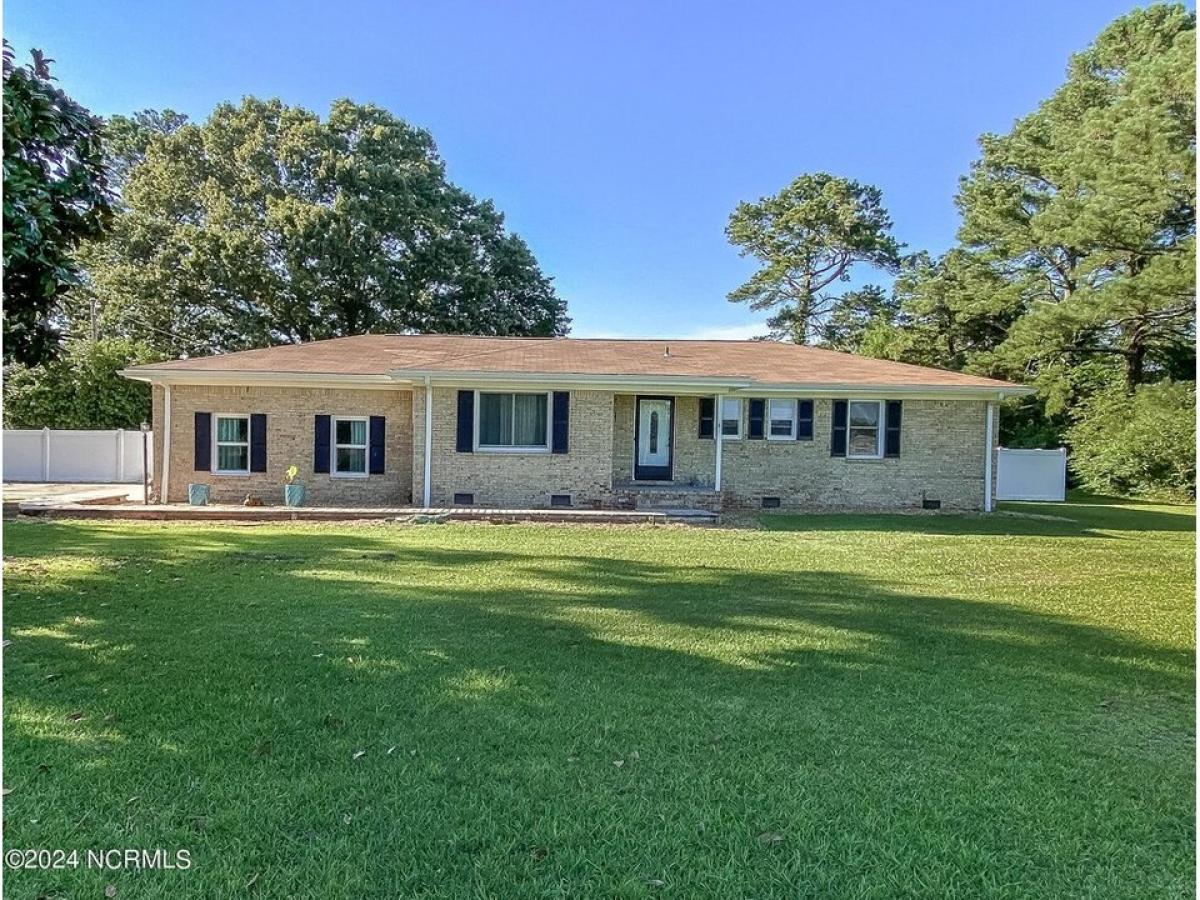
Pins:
<point x="707" y="385"/>
<point x="266" y="379"/>
<point x="677" y="384"/>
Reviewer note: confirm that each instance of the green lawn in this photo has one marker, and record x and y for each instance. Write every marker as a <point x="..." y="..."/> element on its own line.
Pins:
<point x="859" y="706"/>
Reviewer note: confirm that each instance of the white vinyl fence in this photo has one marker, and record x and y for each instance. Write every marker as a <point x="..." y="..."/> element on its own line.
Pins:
<point x="75" y="456"/>
<point x="1032" y="475"/>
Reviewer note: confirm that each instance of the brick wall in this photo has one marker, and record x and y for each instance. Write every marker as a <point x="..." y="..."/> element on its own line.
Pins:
<point x="942" y="454"/>
<point x="290" y="423"/>
<point x="942" y="458"/>
<point x="517" y="479"/>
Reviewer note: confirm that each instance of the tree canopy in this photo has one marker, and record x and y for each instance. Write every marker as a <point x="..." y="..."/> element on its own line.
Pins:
<point x="127" y="138"/>
<point x="1074" y="269"/>
<point x="1085" y="212"/>
<point x="808" y="238"/>
<point x="266" y="224"/>
<point x="55" y="196"/>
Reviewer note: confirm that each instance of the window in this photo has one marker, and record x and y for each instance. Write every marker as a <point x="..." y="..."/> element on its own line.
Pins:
<point x="513" y="422"/>
<point x="731" y="417"/>
<point x="781" y="416"/>
<point x="232" y="445"/>
<point x="350" y="446"/>
<point x="864" y="440"/>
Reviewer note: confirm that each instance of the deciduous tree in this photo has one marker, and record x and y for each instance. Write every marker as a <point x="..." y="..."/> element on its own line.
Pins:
<point x="266" y="224"/>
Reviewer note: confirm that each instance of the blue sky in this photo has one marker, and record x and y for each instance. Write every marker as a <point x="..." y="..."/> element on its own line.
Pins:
<point x="616" y="137"/>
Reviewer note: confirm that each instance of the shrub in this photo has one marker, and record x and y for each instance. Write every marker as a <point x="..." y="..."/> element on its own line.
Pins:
<point x="1141" y="444"/>
<point x="80" y="389"/>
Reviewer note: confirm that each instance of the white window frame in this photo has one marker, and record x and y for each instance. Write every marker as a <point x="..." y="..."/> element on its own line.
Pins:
<point x="216" y="446"/>
<point x="795" y="418"/>
<point x="880" y="428"/>
<point x="740" y="401"/>
<point x="333" y="447"/>
<point x="533" y="448"/>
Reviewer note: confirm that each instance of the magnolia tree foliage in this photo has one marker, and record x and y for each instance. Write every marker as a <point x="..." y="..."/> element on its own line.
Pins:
<point x="55" y="196"/>
<point x="268" y="224"/>
<point x="808" y="238"/>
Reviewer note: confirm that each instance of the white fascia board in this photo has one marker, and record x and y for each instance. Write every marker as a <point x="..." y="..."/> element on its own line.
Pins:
<point x="264" y="379"/>
<point x="744" y="387"/>
<point x="892" y="391"/>
<point x="686" y="384"/>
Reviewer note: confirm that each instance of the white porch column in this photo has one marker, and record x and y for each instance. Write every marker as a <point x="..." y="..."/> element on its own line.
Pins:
<point x="990" y="450"/>
<point x="427" y="492"/>
<point x="45" y="454"/>
<point x="166" y="460"/>
<point x="718" y="435"/>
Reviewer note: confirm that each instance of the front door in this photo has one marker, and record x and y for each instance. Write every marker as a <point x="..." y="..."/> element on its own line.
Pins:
<point x="653" y="439"/>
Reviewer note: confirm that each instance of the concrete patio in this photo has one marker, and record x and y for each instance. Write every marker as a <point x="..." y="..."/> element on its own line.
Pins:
<point x="72" y="507"/>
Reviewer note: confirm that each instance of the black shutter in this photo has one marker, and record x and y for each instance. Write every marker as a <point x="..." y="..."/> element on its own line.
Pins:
<point x="837" y="446"/>
<point x="560" y="427"/>
<point x="321" y="445"/>
<point x="757" y="414"/>
<point x="891" y="435"/>
<point x="465" y="436"/>
<point x="378" y="444"/>
<point x="203" y="458"/>
<point x="707" y="416"/>
<point x="804" y="420"/>
<point x="258" y="442"/>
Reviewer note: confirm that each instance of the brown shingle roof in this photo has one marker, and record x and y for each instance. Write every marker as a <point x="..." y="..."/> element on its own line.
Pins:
<point x="765" y="362"/>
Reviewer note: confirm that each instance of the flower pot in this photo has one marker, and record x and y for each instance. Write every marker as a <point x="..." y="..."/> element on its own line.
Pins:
<point x="293" y="494"/>
<point x="198" y="494"/>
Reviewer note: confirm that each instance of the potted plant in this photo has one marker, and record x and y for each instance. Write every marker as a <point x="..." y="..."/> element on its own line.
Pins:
<point x="198" y="494"/>
<point x="293" y="494"/>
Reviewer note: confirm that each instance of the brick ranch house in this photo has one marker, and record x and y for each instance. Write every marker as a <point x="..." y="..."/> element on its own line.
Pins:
<point x="440" y="421"/>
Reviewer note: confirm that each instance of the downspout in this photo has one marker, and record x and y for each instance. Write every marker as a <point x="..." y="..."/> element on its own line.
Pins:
<point x="718" y="432"/>
<point x="428" y="488"/>
<point x="989" y="449"/>
<point x="166" y="460"/>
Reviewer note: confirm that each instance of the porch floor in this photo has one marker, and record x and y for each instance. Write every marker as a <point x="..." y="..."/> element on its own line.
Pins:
<point x="183" y="512"/>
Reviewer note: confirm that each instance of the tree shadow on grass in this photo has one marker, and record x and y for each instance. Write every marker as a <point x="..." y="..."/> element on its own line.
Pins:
<point x="368" y="591"/>
<point x="1052" y="520"/>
